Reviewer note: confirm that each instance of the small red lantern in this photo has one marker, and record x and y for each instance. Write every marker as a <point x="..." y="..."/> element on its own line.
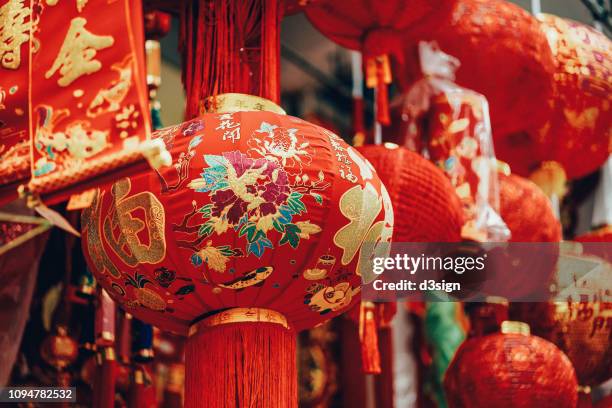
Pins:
<point x="426" y="206"/>
<point x="578" y="133"/>
<point x="583" y="330"/>
<point x="510" y="369"/>
<point x="377" y="32"/>
<point x="253" y="234"/>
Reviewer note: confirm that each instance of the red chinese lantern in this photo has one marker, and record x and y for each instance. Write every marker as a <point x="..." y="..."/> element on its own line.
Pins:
<point x="510" y="369"/>
<point x="577" y="134"/>
<point x="377" y="31"/>
<point x="427" y="208"/>
<point x="253" y="234"/>
<point x="527" y="211"/>
<point x="582" y="330"/>
<point x="514" y="62"/>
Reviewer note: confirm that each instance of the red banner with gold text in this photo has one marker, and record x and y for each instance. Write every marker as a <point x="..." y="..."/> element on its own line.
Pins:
<point x="88" y="109"/>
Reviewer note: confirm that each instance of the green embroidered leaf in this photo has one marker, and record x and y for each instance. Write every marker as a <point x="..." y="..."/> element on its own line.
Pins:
<point x="206" y="229"/>
<point x="317" y="197"/>
<point x="277" y="225"/>
<point x="206" y="210"/>
<point x="249" y="229"/>
<point x="295" y="203"/>
<point x="291" y="235"/>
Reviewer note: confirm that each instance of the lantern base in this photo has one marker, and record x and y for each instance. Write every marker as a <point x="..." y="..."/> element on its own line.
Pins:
<point x="241" y="357"/>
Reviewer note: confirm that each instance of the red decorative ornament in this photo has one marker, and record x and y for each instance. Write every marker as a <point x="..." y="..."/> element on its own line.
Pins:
<point x="427" y="208"/>
<point x="577" y="134"/>
<point x="253" y="234"/>
<point x="514" y="63"/>
<point x="157" y="24"/>
<point x="527" y="211"/>
<point x="377" y="32"/>
<point x="510" y="370"/>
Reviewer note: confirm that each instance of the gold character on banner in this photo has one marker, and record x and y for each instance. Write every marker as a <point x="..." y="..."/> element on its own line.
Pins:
<point x="76" y="57"/>
<point x="109" y="99"/>
<point x="14" y="31"/>
<point x="135" y="228"/>
<point x="80" y="4"/>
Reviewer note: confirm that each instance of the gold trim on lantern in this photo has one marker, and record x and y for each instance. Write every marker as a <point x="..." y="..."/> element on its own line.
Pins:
<point x="238" y="102"/>
<point x="240" y="315"/>
<point x="513" y="327"/>
<point x="497" y="300"/>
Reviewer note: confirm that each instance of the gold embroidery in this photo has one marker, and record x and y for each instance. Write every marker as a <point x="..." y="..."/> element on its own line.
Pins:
<point x="361" y="206"/>
<point x="80" y="4"/>
<point x="76" y="57"/>
<point x="123" y="230"/>
<point x="91" y="224"/>
<point x="14" y="31"/>
<point x="109" y="99"/>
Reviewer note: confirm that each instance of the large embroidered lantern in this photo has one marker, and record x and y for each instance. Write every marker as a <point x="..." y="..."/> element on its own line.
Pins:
<point x="510" y="369"/>
<point x="253" y="234"/>
<point x="578" y="133"/>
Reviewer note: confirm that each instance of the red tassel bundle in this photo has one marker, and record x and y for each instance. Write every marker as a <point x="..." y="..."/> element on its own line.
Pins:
<point x="230" y="46"/>
<point x="233" y="362"/>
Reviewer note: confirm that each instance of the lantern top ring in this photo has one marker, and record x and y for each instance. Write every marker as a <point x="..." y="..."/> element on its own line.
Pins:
<point x="513" y="327"/>
<point x="238" y="102"/>
<point x="239" y="315"/>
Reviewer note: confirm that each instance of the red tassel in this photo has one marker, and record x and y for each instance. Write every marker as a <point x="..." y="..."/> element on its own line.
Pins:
<point x="230" y="46"/>
<point x="106" y="376"/>
<point x="243" y="364"/>
<point x="368" y="335"/>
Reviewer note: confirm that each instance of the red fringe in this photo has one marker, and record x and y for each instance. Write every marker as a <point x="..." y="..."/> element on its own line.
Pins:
<point x="230" y="46"/>
<point x="241" y="365"/>
<point x="368" y="336"/>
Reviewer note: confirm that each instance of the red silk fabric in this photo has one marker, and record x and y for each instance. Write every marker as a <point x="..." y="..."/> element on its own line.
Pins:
<point x="258" y="210"/>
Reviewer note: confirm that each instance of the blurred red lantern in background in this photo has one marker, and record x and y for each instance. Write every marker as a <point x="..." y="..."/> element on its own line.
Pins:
<point x="426" y="206"/>
<point x="582" y="330"/>
<point x="254" y="233"/>
<point x="527" y="211"/>
<point x="578" y="133"/>
<point x="510" y="369"/>
<point x="513" y="64"/>
<point x="377" y="32"/>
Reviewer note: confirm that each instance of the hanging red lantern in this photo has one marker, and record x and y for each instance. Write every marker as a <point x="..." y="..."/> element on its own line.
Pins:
<point x="578" y="133"/>
<point x="254" y="234"/>
<point x="510" y="369"/>
<point x="583" y="330"/>
<point x="377" y="32"/>
<point x="514" y="63"/>
<point x="527" y="211"/>
<point x="427" y="208"/>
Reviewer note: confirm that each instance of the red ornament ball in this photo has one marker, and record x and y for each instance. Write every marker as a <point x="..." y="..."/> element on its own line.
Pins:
<point x="510" y="370"/>
<point x="426" y="206"/>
